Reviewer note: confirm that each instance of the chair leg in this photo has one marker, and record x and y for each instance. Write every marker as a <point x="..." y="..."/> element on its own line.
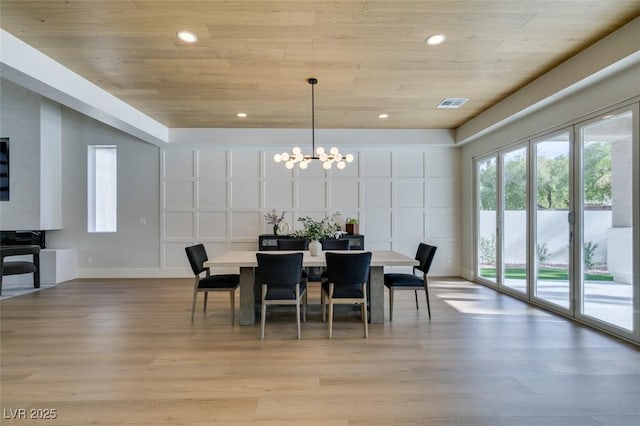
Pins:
<point x="263" y="311"/>
<point x="330" y="297"/>
<point x="426" y="292"/>
<point x="415" y="292"/>
<point x="365" y="320"/>
<point x="232" y="296"/>
<point x="304" y="306"/>
<point x="36" y="274"/>
<point x="390" y="304"/>
<point x="193" y="305"/>
<point x="206" y="296"/>
<point x="298" y="308"/>
<point x="323" y="305"/>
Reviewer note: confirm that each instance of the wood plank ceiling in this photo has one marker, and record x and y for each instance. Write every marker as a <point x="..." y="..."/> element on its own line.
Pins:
<point x="369" y="56"/>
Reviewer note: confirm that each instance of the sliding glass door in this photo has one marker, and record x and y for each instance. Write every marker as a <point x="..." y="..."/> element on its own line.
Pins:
<point x="606" y="220"/>
<point x="557" y="221"/>
<point x="487" y="201"/>
<point x="513" y="211"/>
<point x="552" y="236"/>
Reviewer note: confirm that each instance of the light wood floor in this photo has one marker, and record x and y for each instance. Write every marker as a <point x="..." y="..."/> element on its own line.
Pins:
<point x="113" y="352"/>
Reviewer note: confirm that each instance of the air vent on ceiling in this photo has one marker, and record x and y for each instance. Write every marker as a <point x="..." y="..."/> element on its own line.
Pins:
<point x="452" y="103"/>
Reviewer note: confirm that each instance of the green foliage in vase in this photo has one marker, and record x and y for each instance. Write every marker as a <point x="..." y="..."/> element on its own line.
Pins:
<point x="318" y="229"/>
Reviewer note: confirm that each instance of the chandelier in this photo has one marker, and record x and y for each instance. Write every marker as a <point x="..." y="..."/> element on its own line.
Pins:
<point x="303" y="160"/>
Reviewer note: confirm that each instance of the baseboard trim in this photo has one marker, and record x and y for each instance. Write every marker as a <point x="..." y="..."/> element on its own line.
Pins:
<point x="143" y="272"/>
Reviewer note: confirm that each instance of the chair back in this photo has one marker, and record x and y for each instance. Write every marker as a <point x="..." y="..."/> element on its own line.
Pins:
<point x="293" y="244"/>
<point x="335" y="244"/>
<point x="348" y="268"/>
<point x="425" y="255"/>
<point x="281" y="270"/>
<point x="197" y="255"/>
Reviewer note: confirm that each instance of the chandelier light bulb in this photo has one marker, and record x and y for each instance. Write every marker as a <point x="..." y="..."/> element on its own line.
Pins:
<point x="289" y="164"/>
<point x="277" y="158"/>
<point x="341" y="165"/>
<point x="338" y="157"/>
<point x="319" y="150"/>
<point x="349" y="158"/>
<point x="303" y="165"/>
<point x="296" y="150"/>
<point x="285" y="156"/>
<point x="333" y="150"/>
<point x="326" y="165"/>
<point x="323" y="157"/>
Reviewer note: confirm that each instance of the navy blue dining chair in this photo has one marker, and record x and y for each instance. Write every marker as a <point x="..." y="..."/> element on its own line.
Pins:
<point x="282" y="284"/>
<point x="346" y="283"/>
<point x="396" y="281"/>
<point x="197" y="255"/>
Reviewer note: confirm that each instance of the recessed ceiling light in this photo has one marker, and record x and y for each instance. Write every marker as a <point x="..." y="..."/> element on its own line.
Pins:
<point x="187" y="36"/>
<point x="242" y="114"/>
<point x="383" y="116"/>
<point x="435" y="39"/>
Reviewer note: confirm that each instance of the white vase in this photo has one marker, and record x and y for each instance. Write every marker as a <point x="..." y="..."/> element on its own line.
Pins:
<point x="315" y="248"/>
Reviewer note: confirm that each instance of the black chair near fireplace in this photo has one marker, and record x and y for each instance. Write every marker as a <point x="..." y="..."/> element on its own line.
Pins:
<point x="14" y="267"/>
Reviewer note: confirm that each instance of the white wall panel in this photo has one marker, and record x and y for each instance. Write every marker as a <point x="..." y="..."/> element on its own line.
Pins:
<point x="245" y="164"/>
<point x="246" y="225"/>
<point x="278" y="194"/>
<point x="179" y="164"/>
<point x="441" y="223"/>
<point x="212" y="225"/>
<point x="410" y="194"/>
<point x="245" y="194"/>
<point x="178" y="194"/>
<point x="377" y="193"/>
<point x="352" y="170"/>
<point x="178" y="225"/>
<point x="273" y="169"/>
<point x="409" y="163"/>
<point x="175" y="255"/>
<point x="402" y="197"/>
<point x="212" y="164"/>
<point x="443" y="193"/>
<point x="312" y="194"/>
<point x="377" y="224"/>
<point x="313" y="170"/>
<point x="409" y="223"/>
<point x="212" y="194"/>
<point x="442" y="163"/>
<point x="377" y="163"/>
<point x="344" y="195"/>
<point x="447" y="258"/>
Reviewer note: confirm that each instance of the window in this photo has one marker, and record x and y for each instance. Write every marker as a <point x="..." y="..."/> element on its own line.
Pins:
<point x="102" y="188"/>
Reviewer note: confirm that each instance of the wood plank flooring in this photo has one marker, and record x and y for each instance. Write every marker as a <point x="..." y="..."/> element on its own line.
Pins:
<point x="124" y="352"/>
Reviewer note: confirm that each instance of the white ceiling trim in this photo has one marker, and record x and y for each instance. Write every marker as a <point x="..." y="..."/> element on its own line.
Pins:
<point x="288" y="138"/>
<point x="28" y="67"/>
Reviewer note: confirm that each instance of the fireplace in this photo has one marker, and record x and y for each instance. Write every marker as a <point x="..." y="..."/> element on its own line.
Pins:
<point x="20" y="238"/>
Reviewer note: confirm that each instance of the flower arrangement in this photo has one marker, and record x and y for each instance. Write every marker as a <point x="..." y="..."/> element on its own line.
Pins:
<point x="275" y="219"/>
<point x="318" y="229"/>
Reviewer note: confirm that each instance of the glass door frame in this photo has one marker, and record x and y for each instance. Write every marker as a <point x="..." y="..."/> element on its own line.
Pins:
<point x="533" y="223"/>
<point x="476" y="236"/>
<point x="575" y="182"/>
<point x="579" y="228"/>
<point x="501" y="204"/>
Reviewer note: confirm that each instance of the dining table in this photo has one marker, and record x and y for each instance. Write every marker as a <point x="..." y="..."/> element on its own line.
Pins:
<point x="247" y="263"/>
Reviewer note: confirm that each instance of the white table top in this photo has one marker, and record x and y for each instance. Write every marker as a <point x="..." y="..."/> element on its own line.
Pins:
<point x="248" y="258"/>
